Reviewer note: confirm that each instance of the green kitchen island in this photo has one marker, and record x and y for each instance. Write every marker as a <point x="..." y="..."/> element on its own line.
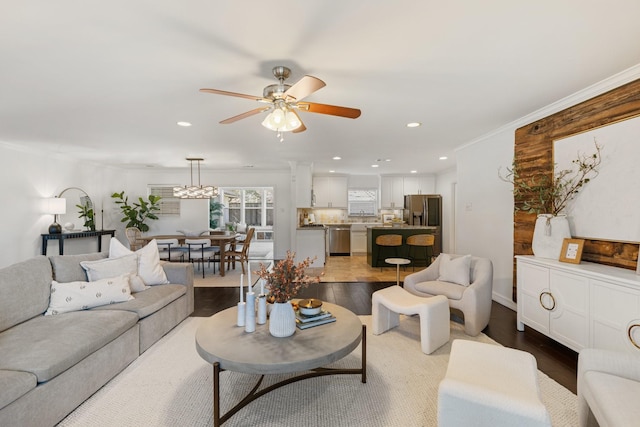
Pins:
<point x="402" y="251"/>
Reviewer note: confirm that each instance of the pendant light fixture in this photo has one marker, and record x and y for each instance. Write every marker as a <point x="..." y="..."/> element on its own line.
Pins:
<point x="195" y="191"/>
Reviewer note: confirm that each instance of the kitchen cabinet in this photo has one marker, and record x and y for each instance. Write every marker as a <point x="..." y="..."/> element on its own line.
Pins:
<point x="419" y="184"/>
<point x="579" y="305"/>
<point x="359" y="238"/>
<point x="303" y="183"/>
<point x="330" y="191"/>
<point x="392" y="192"/>
<point x="311" y="242"/>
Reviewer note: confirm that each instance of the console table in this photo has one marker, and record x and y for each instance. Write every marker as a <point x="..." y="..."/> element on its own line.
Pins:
<point x="61" y="237"/>
<point x="580" y="305"/>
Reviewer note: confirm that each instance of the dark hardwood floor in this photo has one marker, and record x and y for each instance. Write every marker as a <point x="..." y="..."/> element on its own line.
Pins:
<point x="555" y="360"/>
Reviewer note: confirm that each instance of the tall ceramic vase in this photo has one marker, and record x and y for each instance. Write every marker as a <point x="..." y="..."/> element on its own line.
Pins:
<point x="548" y="235"/>
<point x="282" y="320"/>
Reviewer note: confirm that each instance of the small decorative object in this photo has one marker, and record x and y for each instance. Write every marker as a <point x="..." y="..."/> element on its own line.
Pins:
<point x="241" y="304"/>
<point x="310" y="307"/>
<point x="283" y="283"/>
<point x="250" y="313"/>
<point x="572" y="250"/>
<point x="262" y="309"/>
<point x="69" y="226"/>
<point x="548" y="195"/>
<point x="282" y="321"/>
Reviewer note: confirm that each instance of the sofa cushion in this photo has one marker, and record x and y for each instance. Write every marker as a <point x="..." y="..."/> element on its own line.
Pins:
<point x="112" y="267"/>
<point x="49" y="345"/>
<point x="15" y="384"/>
<point x="24" y="291"/>
<point x="435" y="287"/>
<point x="612" y="399"/>
<point x="74" y="296"/>
<point x="67" y="268"/>
<point x="149" y="267"/>
<point x="149" y="301"/>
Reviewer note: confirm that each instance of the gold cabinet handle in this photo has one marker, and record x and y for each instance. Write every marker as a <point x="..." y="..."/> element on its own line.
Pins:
<point x="634" y="325"/>
<point x="552" y="299"/>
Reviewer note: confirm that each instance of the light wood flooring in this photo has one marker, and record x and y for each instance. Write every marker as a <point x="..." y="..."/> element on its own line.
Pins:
<point x="355" y="269"/>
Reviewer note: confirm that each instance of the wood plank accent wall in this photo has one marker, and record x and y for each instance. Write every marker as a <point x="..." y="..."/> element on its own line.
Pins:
<point x="534" y="151"/>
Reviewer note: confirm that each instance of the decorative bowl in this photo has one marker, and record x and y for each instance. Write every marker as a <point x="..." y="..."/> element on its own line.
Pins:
<point x="309" y="307"/>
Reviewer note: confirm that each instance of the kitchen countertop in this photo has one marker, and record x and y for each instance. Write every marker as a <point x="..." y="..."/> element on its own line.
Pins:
<point x="406" y="227"/>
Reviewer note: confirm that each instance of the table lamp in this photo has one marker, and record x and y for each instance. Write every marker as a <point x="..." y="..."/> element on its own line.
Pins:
<point x="55" y="206"/>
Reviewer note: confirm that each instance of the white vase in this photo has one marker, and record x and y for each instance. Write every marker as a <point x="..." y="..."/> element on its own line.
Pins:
<point x="282" y="320"/>
<point x="548" y="235"/>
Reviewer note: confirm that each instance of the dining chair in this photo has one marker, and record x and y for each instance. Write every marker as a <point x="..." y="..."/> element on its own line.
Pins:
<point x="200" y="250"/>
<point x="241" y="255"/>
<point x="169" y="250"/>
<point x="134" y="237"/>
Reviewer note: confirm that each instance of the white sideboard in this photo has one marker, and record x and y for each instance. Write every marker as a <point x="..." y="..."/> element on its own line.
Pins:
<point x="580" y="305"/>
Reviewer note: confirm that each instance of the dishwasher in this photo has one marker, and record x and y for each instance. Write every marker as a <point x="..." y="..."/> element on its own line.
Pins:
<point x="340" y="239"/>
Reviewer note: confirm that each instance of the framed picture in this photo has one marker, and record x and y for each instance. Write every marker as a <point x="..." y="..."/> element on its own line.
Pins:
<point x="571" y="250"/>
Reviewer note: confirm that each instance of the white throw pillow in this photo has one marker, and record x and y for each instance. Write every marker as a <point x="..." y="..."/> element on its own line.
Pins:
<point x="74" y="296"/>
<point x="455" y="270"/>
<point x="112" y="267"/>
<point x="149" y="268"/>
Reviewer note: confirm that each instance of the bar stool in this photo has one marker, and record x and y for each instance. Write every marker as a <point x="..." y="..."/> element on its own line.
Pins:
<point x="388" y="241"/>
<point x="417" y="241"/>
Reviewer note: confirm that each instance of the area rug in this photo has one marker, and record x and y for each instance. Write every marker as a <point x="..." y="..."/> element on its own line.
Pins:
<point x="171" y="385"/>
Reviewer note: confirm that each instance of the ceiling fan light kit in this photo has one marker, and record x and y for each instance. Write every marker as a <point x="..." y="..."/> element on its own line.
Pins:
<point x="284" y="99"/>
<point x="195" y="191"/>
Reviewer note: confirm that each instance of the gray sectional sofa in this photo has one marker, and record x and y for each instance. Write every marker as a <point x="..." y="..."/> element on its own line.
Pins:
<point x="51" y="364"/>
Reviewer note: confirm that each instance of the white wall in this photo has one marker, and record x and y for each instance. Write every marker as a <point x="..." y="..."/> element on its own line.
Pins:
<point x="444" y="186"/>
<point x="31" y="177"/>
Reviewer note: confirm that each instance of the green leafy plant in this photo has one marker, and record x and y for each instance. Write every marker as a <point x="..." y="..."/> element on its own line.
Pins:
<point x="215" y="212"/>
<point x="87" y="214"/>
<point x="136" y="214"/>
<point x="542" y="194"/>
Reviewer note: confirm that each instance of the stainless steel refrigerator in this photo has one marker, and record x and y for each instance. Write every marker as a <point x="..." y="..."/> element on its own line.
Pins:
<point x="425" y="210"/>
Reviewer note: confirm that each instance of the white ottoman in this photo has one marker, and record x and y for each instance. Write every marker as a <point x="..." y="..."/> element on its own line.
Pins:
<point x="389" y="303"/>
<point x="490" y="385"/>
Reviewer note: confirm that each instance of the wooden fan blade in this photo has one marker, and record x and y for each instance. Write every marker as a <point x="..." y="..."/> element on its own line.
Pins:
<point x="238" y="95"/>
<point x="244" y="115"/>
<point x="333" y="110"/>
<point x="303" y="88"/>
<point x="300" y="128"/>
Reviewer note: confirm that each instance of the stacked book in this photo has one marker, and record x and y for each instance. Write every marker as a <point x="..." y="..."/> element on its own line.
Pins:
<point x="304" y="321"/>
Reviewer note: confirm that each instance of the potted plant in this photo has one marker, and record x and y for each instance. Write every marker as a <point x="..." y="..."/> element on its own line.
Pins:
<point x="136" y="214"/>
<point x="284" y="282"/>
<point x="215" y="212"/>
<point x="548" y="195"/>
<point x="87" y="214"/>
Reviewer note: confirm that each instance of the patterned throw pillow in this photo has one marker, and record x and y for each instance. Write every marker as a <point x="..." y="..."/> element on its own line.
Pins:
<point x="112" y="267"/>
<point x="149" y="268"/>
<point x="74" y="296"/>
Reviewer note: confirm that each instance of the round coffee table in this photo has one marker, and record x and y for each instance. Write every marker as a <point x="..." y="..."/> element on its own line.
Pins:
<point x="222" y="343"/>
<point x="398" y="262"/>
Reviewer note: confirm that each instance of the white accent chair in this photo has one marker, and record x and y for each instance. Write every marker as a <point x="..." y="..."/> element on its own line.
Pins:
<point x="474" y="300"/>
<point x="608" y="388"/>
<point x="490" y="385"/>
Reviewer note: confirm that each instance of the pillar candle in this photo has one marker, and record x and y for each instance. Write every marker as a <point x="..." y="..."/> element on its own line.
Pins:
<point x="250" y="313"/>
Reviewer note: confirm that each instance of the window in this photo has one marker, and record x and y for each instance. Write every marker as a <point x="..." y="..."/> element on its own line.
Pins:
<point x="251" y="206"/>
<point x="169" y="205"/>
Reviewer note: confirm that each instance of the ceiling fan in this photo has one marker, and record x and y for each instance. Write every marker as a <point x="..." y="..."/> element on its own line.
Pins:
<point x="283" y="100"/>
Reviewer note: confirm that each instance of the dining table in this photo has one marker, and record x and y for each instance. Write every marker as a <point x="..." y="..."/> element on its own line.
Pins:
<point x="220" y="240"/>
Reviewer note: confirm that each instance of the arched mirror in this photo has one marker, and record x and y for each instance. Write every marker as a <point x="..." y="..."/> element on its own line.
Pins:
<point x="80" y="214"/>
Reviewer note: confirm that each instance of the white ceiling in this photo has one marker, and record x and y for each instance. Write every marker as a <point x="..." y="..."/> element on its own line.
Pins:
<point x="108" y="80"/>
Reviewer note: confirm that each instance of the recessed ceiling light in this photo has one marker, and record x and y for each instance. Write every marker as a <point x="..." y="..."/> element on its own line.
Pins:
<point x="184" y="124"/>
<point x="443" y="157"/>
<point x="331" y="171"/>
<point x="414" y="171"/>
<point x="374" y="166"/>
<point x="387" y="160"/>
<point x="414" y="124"/>
<point x="337" y="158"/>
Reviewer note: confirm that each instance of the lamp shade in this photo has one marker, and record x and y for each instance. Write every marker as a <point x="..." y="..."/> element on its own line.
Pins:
<point x="56" y="205"/>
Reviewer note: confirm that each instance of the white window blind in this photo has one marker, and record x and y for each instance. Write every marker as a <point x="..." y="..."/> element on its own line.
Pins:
<point x="169" y="205"/>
